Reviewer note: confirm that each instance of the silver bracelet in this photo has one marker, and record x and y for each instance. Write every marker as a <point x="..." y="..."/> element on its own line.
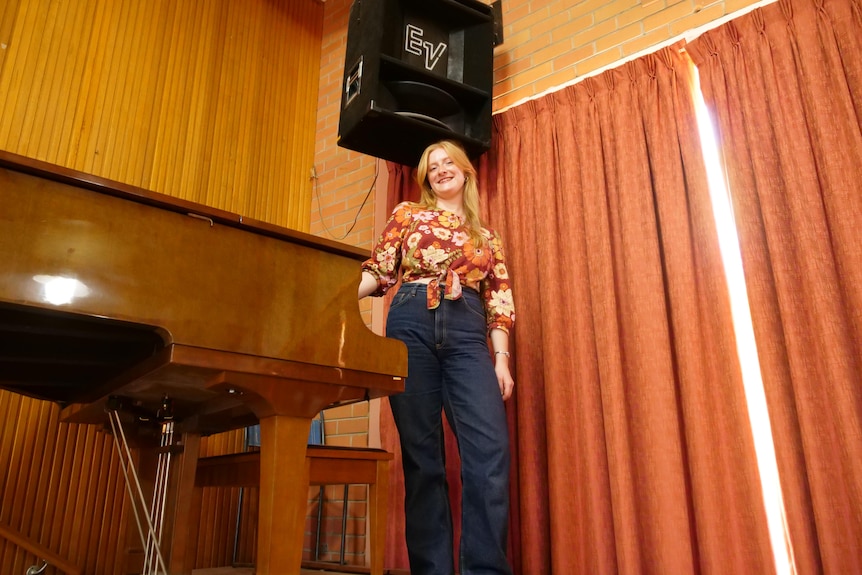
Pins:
<point x="506" y="353"/>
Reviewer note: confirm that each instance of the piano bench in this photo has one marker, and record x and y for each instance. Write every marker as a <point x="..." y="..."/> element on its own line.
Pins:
<point x="327" y="465"/>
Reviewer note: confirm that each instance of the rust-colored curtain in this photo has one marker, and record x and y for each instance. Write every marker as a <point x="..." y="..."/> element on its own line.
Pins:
<point x="630" y="431"/>
<point x="785" y="85"/>
<point x="634" y="448"/>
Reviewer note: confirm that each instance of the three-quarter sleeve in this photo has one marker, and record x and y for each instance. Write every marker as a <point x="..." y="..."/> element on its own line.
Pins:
<point x="497" y="289"/>
<point x="385" y="261"/>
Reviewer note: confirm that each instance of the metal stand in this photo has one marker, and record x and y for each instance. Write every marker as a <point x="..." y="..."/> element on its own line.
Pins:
<point x="154" y="563"/>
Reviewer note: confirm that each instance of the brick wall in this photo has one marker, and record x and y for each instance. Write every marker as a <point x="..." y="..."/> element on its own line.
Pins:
<point x="547" y="44"/>
<point x="343" y="176"/>
<point x="550" y="43"/>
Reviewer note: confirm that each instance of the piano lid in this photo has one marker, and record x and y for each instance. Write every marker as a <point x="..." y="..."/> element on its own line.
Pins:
<point x="98" y="277"/>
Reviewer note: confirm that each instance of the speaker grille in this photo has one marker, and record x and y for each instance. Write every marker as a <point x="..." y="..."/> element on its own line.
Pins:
<point x="416" y="73"/>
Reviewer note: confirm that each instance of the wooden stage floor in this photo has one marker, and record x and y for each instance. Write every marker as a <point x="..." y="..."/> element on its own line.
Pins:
<point x="250" y="571"/>
<point x="305" y="571"/>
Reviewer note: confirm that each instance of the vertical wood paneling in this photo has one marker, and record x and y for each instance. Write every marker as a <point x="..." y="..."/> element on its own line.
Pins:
<point x="246" y="553"/>
<point x="58" y="487"/>
<point x="8" y="16"/>
<point x="219" y="506"/>
<point x="214" y="101"/>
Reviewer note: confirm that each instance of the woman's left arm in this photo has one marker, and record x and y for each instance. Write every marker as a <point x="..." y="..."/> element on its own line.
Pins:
<point x="500" y="311"/>
<point x="500" y="344"/>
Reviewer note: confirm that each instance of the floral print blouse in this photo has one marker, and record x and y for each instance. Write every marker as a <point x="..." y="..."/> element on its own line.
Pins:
<point x="432" y="243"/>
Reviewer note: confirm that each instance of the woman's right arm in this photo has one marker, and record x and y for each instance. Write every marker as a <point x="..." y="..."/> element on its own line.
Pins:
<point x="382" y="270"/>
<point x="367" y="285"/>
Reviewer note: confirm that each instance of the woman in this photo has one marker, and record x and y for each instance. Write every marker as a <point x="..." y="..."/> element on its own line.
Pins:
<point x="455" y="292"/>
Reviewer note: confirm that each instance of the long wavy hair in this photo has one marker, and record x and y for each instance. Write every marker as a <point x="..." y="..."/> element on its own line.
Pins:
<point x="471" y="189"/>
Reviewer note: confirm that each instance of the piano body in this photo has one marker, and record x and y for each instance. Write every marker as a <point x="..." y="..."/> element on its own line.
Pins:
<point x="113" y="296"/>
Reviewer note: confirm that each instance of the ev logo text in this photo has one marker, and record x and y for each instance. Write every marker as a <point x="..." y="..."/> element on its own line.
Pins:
<point x="415" y="45"/>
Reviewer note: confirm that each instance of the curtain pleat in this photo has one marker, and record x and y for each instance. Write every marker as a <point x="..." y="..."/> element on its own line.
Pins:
<point x="785" y="86"/>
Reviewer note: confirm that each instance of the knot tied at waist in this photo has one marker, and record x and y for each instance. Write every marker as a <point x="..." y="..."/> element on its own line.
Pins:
<point x="451" y="289"/>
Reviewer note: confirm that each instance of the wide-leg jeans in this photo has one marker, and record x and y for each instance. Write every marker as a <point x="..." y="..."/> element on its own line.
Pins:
<point x="450" y="370"/>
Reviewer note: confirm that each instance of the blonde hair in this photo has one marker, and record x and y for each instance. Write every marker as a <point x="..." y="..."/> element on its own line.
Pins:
<point x="471" y="189"/>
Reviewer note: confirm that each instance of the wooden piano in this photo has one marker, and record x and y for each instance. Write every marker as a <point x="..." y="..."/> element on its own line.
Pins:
<point x="116" y="296"/>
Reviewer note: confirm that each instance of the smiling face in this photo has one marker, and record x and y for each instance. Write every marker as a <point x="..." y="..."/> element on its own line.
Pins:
<point x="445" y="177"/>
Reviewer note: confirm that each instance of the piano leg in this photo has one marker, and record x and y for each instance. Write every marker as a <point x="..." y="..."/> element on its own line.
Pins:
<point x="283" y="494"/>
<point x="184" y="511"/>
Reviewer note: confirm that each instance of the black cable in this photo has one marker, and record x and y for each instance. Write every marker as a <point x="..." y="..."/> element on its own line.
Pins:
<point x="359" y="211"/>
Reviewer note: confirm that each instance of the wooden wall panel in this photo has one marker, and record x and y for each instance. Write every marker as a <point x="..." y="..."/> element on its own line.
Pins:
<point x="214" y="102"/>
<point x="220" y="510"/>
<point x="231" y="514"/>
<point x="60" y="486"/>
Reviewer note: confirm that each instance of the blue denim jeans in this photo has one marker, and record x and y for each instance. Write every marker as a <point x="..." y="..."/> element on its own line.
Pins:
<point x="450" y="370"/>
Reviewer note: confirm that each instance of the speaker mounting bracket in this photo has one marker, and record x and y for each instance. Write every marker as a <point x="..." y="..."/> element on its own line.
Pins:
<point x="497" y="12"/>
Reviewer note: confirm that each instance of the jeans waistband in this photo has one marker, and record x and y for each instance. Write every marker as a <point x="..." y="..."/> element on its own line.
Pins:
<point x="419" y="287"/>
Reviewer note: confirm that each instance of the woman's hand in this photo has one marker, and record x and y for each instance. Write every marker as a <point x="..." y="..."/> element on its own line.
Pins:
<point x="500" y="347"/>
<point x="504" y="377"/>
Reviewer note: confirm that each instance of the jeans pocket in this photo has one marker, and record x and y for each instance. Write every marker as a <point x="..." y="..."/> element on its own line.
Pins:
<point x="402" y="297"/>
<point x="474" y="306"/>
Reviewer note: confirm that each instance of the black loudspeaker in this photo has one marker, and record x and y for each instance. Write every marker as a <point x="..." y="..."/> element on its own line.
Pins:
<point x="415" y="72"/>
